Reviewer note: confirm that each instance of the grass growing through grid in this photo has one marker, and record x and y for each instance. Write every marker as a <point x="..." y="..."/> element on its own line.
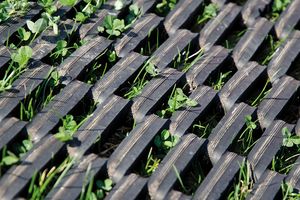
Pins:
<point x="99" y="67"/>
<point x="163" y="142"/>
<point x="13" y="8"/>
<point x="147" y="72"/>
<point x="41" y="97"/>
<point x="193" y="177"/>
<point x="17" y="66"/>
<point x="243" y="184"/>
<point x="233" y="38"/>
<point x="155" y="38"/>
<point x="11" y="155"/>
<point x="176" y="101"/>
<point x="42" y="182"/>
<point x="113" y="27"/>
<point x="222" y="79"/>
<point x="186" y="59"/>
<point x="204" y="126"/>
<point x="247" y="138"/>
<point x="285" y="158"/>
<point x="288" y="192"/>
<point x="255" y="101"/>
<point x="163" y="7"/>
<point x="268" y="51"/>
<point x="277" y="7"/>
<point x="96" y="189"/>
<point x="208" y="12"/>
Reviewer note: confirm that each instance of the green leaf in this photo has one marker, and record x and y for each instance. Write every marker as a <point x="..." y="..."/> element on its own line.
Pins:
<point x="100" y="29"/>
<point x="118" y="24"/>
<point x="112" y="56"/>
<point x="295" y="139"/>
<point x="168" y="144"/>
<point x="134" y="9"/>
<point x="64" y="135"/>
<point x="88" y="9"/>
<point x="119" y="4"/>
<point x="10" y="160"/>
<point x="27" y="144"/>
<point x="287" y="142"/>
<point x="80" y="17"/>
<point x="22" y="55"/>
<point x="286" y="133"/>
<point x="40" y="25"/>
<point x="150" y="68"/>
<point x="24" y="35"/>
<point x="191" y="102"/>
<point x="165" y="134"/>
<point x="30" y="25"/>
<point x="108" y="22"/>
<point x="70" y="3"/>
<point x="107" y="184"/>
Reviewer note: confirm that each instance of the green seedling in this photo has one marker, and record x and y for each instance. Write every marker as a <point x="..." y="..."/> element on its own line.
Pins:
<point x="37" y="27"/>
<point x="66" y="131"/>
<point x="288" y="153"/>
<point x="112" y="26"/>
<point x="288" y="192"/>
<point x="165" y="141"/>
<point x="165" y="6"/>
<point x="277" y="7"/>
<point x="48" y="6"/>
<point x="140" y="80"/>
<point x="17" y="66"/>
<point x="100" y="66"/>
<point x="209" y="12"/>
<point x="119" y="4"/>
<point x="70" y="3"/>
<point x="101" y="190"/>
<point x="51" y="21"/>
<point x="184" y="61"/>
<point x="23" y="35"/>
<point x="86" y="11"/>
<point x="10" y="158"/>
<point x="13" y="8"/>
<point x="42" y="24"/>
<point x="222" y="78"/>
<point x="22" y="56"/>
<point x="68" y="128"/>
<point x="62" y="50"/>
<point x="134" y="13"/>
<point x="150" y="48"/>
<point x="246" y="139"/>
<point x="115" y="27"/>
<point x="112" y="56"/>
<point x="244" y="184"/>
<point x="289" y="140"/>
<point x="151" y="164"/>
<point x="177" y="101"/>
